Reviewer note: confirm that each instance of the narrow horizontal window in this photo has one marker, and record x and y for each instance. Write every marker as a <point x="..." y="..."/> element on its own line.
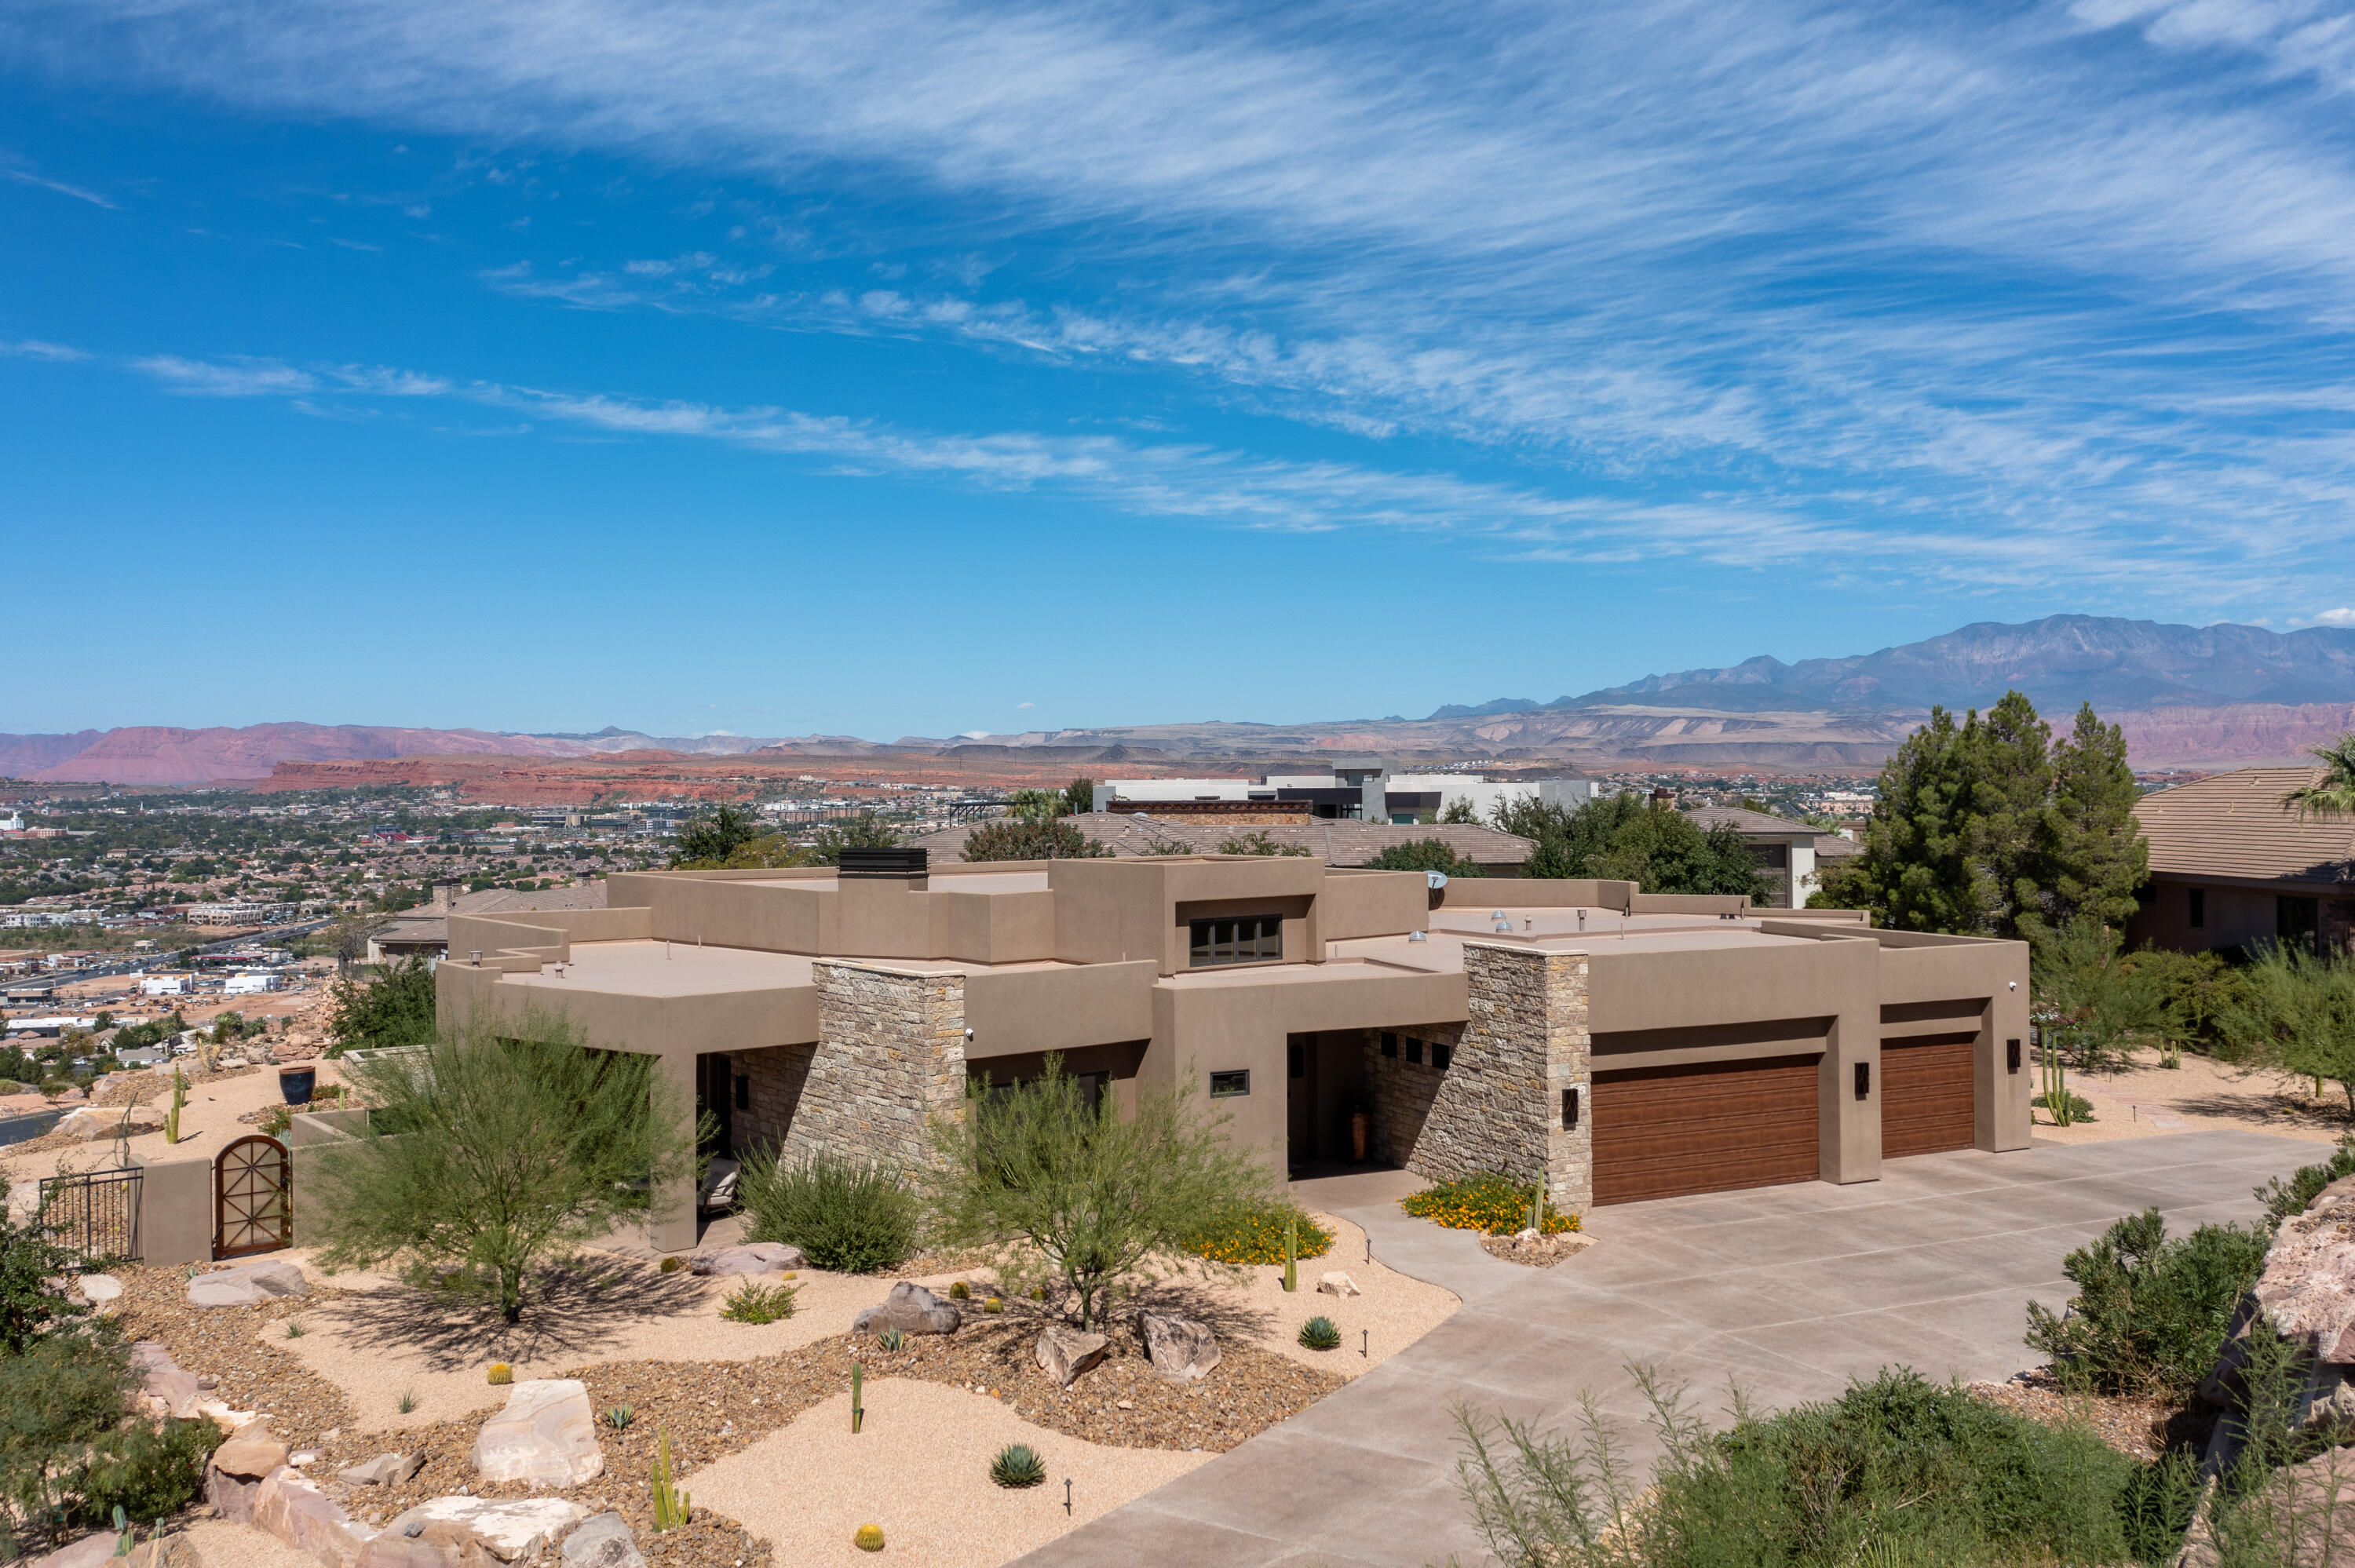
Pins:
<point x="1244" y="939"/>
<point x="1227" y="1086"/>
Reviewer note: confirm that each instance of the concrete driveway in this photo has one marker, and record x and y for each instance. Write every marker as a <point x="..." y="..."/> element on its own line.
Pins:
<point x="1791" y="1291"/>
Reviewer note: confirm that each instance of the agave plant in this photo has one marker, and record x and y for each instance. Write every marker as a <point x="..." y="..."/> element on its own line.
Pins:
<point x="618" y="1416"/>
<point x="892" y="1340"/>
<point x="1319" y="1334"/>
<point x="1017" y="1464"/>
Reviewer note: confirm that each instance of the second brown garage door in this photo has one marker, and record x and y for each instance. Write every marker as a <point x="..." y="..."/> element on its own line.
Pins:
<point x="1925" y="1094"/>
<point x="1706" y="1127"/>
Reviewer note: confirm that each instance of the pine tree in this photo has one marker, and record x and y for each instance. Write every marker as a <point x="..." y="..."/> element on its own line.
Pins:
<point x="2093" y="854"/>
<point x="1918" y="871"/>
<point x="2007" y="751"/>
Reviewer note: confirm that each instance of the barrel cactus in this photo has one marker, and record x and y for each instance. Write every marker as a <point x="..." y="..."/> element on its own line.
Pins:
<point x="502" y="1373"/>
<point x="1017" y="1464"/>
<point x="1319" y="1334"/>
<point x="868" y="1539"/>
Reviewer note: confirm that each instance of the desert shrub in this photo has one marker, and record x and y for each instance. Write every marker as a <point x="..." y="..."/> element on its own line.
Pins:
<point x="754" y="1303"/>
<point x="845" y="1217"/>
<point x="1015" y="838"/>
<point x="2283" y="1199"/>
<point x="1252" y="1233"/>
<point x="1488" y="1201"/>
<point x="2150" y="1314"/>
<point x="2080" y="1108"/>
<point x="1896" y="1471"/>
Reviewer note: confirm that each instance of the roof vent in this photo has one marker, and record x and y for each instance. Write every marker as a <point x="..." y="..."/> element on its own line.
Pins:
<point x="902" y="861"/>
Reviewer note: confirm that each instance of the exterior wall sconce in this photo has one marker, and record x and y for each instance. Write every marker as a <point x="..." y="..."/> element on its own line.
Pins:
<point x="1569" y="1109"/>
<point x="1864" y="1080"/>
<point x="2011" y="1055"/>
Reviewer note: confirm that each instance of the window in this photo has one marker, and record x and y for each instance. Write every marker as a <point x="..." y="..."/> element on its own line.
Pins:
<point x="2295" y="920"/>
<point x="1238" y="939"/>
<point x="1299" y="1059"/>
<point x="1441" y="1055"/>
<point x="1227" y="1086"/>
<point x="1390" y="1044"/>
<point x="1413" y="1049"/>
<point x="2198" y="899"/>
<point x="743" y="1092"/>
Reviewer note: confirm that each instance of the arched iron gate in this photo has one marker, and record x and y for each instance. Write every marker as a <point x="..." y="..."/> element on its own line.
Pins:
<point x="251" y="1210"/>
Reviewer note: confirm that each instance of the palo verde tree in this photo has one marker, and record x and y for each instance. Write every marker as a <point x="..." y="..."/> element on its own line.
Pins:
<point x="1063" y="1189"/>
<point x="500" y="1153"/>
<point x="1031" y="838"/>
<point x="396" y="1008"/>
<point x="2295" y="1012"/>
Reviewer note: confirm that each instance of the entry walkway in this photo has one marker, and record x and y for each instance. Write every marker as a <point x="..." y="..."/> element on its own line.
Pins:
<point x="1792" y="1291"/>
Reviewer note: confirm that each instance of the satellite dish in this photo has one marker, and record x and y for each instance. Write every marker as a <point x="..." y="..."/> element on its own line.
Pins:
<point x="1438" y="879"/>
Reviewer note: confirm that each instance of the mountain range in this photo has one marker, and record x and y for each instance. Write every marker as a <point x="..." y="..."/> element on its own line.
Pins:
<point x="2187" y="696"/>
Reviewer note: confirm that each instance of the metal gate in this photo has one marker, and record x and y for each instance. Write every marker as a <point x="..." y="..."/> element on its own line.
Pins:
<point x="250" y="1209"/>
<point x="95" y="1215"/>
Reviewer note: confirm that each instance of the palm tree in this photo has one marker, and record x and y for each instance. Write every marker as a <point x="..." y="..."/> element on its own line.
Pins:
<point x="2332" y="796"/>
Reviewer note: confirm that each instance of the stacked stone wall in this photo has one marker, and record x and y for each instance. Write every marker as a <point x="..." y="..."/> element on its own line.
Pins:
<point x="1498" y="1105"/>
<point x="1402" y="1091"/>
<point x="889" y="1056"/>
<point x="774" y="1080"/>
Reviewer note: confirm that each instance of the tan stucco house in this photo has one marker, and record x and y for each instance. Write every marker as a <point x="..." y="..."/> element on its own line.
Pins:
<point x="2232" y="867"/>
<point x="1620" y="1045"/>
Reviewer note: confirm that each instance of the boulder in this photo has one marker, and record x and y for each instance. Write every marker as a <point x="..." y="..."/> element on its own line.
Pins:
<point x="385" y="1470"/>
<point x="1336" y="1283"/>
<point x="251" y="1455"/>
<point x="89" y="1552"/>
<point x="101" y="1290"/>
<point x="169" y="1390"/>
<point x="298" y="1513"/>
<point x="604" y="1541"/>
<point x="1065" y="1354"/>
<point x="510" y="1531"/>
<point x="2307" y="1288"/>
<point x="1181" y="1349"/>
<point x="389" y="1548"/>
<point x="754" y="1257"/>
<point x="91" y="1123"/>
<point x="248" y="1284"/>
<point x="232" y="1496"/>
<point x="911" y="1310"/>
<point x="545" y="1436"/>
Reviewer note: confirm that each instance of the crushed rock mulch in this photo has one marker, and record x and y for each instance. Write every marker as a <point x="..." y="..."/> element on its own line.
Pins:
<point x="2143" y="1428"/>
<point x="712" y="1409"/>
<point x="1543" y="1253"/>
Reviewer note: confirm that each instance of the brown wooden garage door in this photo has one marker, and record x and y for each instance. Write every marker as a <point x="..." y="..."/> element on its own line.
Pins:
<point x="1925" y="1094"/>
<point x="1706" y="1127"/>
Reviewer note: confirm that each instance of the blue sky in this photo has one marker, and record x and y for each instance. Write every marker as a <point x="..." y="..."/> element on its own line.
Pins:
<point x="915" y="369"/>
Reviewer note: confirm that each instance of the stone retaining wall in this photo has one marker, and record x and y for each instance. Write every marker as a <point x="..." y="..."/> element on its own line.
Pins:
<point x="1499" y="1103"/>
<point x="889" y="1054"/>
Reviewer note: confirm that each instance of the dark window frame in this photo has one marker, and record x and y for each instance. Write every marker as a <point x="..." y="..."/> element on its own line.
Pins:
<point x="1390" y="1044"/>
<point x="2196" y="908"/>
<point x="1230" y="1085"/>
<point x="1214" y="940"/>
<point x="1413" y="1051"/>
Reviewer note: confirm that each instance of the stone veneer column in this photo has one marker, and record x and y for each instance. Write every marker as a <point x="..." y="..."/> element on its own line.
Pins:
<point x="890" y="1055"/>
<point x="1500" y="1103"/>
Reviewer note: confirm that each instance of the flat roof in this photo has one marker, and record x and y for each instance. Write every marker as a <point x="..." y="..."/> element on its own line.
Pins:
<point x="944" y="879"/>
<point x="643" y="967"/>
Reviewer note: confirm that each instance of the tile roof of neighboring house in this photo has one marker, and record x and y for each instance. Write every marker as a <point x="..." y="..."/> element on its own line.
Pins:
<point x="1337" y="843"/>
<point x="1828" y="845"/>
<point x="2234" y="824"/>
<point x="416" y="927"/>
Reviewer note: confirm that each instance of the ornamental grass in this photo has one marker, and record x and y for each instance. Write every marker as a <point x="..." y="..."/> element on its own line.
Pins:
<point x="1490" y="1201"/>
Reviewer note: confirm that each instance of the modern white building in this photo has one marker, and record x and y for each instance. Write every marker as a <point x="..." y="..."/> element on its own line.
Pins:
<point x="1358" y="792"/>
<point x="251" y="984"/>
<point x="165" y="985"/>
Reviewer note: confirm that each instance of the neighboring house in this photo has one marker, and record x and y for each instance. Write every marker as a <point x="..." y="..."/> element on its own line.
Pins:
<point x="1618" y="1045"/>
<point x="1355" y="791"/>
<point x="424" y="933"/>
<point x="2230" y="866"/>
<point x="1791" y="855"/>
<point x="1336" y="841"/>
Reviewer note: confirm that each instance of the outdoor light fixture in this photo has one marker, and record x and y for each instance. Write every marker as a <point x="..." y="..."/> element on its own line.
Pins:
<point x="1569" y="1109"/>
<point x="1863" y="1080"/>
<point x="2011" y="1055"/>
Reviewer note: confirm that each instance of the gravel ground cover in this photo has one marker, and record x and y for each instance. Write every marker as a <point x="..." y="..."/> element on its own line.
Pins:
<point x="1543" y="1251"/>
<point x="2143" y="1428"/>
<point x="2146" y="1100"/>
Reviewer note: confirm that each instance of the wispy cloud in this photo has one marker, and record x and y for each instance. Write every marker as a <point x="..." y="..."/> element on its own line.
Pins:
<point x="27" y="177"/>
<point x="33" y="348"/>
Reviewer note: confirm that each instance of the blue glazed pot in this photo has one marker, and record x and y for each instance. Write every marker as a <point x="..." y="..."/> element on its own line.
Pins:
<point x="295" y="1084"/>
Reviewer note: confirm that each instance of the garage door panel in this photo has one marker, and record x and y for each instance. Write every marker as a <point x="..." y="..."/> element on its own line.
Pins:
<point x="1661" y="1132"/>
<point x="1927" y="1096"/>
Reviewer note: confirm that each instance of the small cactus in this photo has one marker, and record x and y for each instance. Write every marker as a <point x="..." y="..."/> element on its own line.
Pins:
<point x="673" y="1264"/>
<point x="858" y="1406"/>
<point x="1291" y="1252"/>
<point x="618" y="1416"/>
<point x="671" y="1505"/>
<point x="868" y="1539"/>
<point x="960" y="1291"/>
<point x="892" y="1340"/>
<point x="1017" y="1464"/>
<point x="501" y="1373"/>
<point x="993" y="1305"/>
<point x="1319" y="1334"/>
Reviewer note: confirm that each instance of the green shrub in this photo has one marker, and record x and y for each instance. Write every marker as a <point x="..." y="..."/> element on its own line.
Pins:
<point x="2150" y="1314"/>
<point x="1319" y="1334"/>
<point x="2306" y="1183"/>
<point x="1897" y="1473"/>
<point x="1488" y="1201"/>
<point x="1017" y="1464"/>
<point x="2080" y="1108"/>
<point x="845" y="1217"/>
<point x="1252" y="1233"/>
<point x="892" y="1340"/>
<point x="753" y="1303"/>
